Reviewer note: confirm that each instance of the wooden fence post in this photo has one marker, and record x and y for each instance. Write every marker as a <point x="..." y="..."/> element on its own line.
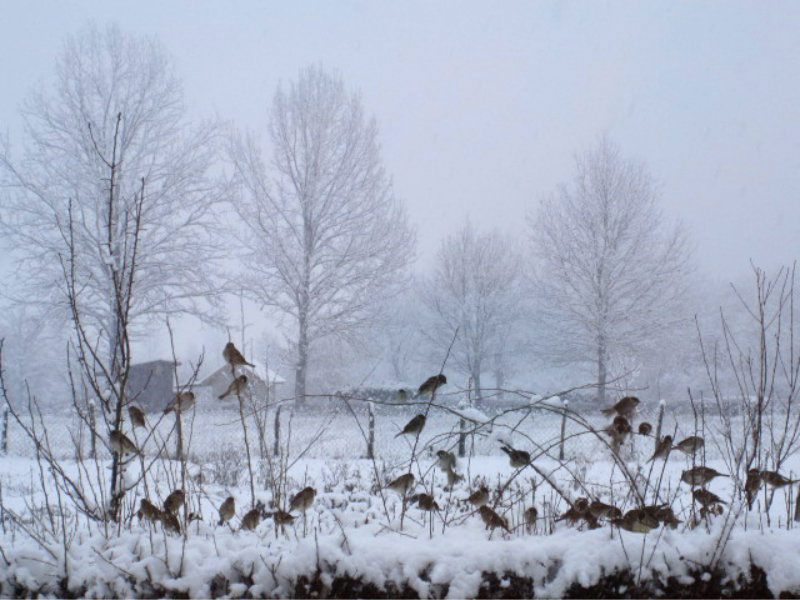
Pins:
<point x="563" y="429"/>
<point x="371" y="441"/>
<point x="277" y="443"/>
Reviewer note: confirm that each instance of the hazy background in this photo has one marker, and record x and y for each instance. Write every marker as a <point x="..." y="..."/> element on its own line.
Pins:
<point x="481" y="107"/>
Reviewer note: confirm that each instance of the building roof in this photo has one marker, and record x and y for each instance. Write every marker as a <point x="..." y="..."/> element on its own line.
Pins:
<point x="261" y="371"/>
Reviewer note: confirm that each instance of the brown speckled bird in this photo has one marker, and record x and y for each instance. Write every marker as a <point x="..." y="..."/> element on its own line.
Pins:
<point x="148" y="510"/>
<point x="170" y="522"/>
<point x="662" y="449"/>
<point x="136" y="415"/>
<point x="624" y="407"/>
<point x="403" y="484"/>
<point x="636" y="520"/>
<point x="227" y="510"/>
<point x="251" y="519"/>
<point x="690" y="445"/>
<point x="447" y="460"/>
<point x="233" y="357"/>
<point x="303" y="499"/>
<point x="282" y="518"/>
<point x="618" y="431"/>
<point x="706" y="498"/>
<point x="414" y="426"/>
<point x="479" y="497"/>
<point x="752" y="485"/>
<point x="401" y="395"/>
<point x="424" y="501"/>
<point x="700" y="475"/>
<point x="174" y="501"/>
<point x="516" y="458"/>
<point x="491" y="519"/>
<point x="237" y="386"/>
<point x="577" y="512"/>
<point x="601" y="510"/>
<point x="121" y="443"/>
<point x="431" y="384"/>
<point x="530" y="515"/>
<point x="452" y="479"/>
<point x="644" y="428"/>
<point x="181" y="402"/>
<point x="775" y="479"/>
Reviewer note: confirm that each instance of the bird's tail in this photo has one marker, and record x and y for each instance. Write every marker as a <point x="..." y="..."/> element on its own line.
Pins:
<point x="506" y="449"/>
<point x="250" y="364"/>
<point x="221" y="521"/>
<point x="397" y="435"/>
<point x="609" y="411"/>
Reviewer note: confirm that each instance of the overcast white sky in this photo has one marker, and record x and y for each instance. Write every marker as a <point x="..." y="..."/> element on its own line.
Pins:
<point x="482" y="105"/>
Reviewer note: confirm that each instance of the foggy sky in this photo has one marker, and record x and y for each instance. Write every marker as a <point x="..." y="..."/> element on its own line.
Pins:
<point x="481" y="106"/>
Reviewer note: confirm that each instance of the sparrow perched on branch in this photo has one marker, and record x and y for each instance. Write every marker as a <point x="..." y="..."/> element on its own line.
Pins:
<point x="424" y="501"/>
<point x="447" y="460"/>
<point x="282" y="518"/>
<point x="233" y="357"/>
<point x="136" y="415"/>
<point x="237" y="386"/>
<point x="492" y="519"/>
<point x="251" y="519"/>
<point x="577" y="512"/>
<point x="706" y="498"/>
<point x="479" y="497"/>
<point x="752" y="485"/>
<point x="624" y="407"/>
<point x="170" y="522"/>
<point x="401" y="395"/>
<point x="174" y="501"/>
<point x="181" y="402"/>
<point x="636" y="520"/>
<point x="618" y="431"/>
<point x="516" y="458"/>
<point x="414" y="426"/>
<point x="403" y="484"/>
<point x="303" y="499"/>
<point x="227" y="510"/>
<point x="775" y="479"/>
<point x="644" y="428"/>
<point x="431" y="384"/>
<point x="662" y="449"/>
<point x="452" y="478"/>
<point x="690" y="445"/>
<point x="700" y="475"/>
<point x="121" y="443"/>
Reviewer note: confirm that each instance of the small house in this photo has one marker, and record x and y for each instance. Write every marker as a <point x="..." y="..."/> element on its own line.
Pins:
<point x="150" y="384"/>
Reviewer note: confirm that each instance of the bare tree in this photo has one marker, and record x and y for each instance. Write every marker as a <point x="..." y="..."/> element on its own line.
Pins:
<point x="327" y="236"/>
<point x="610" y="275"/>
<point x="475" y="288"/>
<point x="116" y="107"/>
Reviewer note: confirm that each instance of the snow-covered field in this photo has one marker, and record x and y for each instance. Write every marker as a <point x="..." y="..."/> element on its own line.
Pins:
<point x="358" y="530"/>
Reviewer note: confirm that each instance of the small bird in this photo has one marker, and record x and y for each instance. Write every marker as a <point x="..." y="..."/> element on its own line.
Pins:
<point x="401" y="395"/>
<point x="752" y="486"/>
<point x="174" y="501"/>
<point x="479" y="497"/>
<point x="665" y="515"/>
<point x="403" y="484"/>
<point x="601" y="510"/>
<point x="424" y="501"/>
<point x="663" y="448"/>
<point x="775" y="479"/>
<point x="303" y="499"/>
<point x="516" y="458"/>
<point x="530" y="515"/>
<point x="700" y="475"/>
<point x="618" y="431"/>
<point x="121" y="443"/>
<point x="492" y="519"/>
<point x="251" y="519"/>
<point x="136" y="415"/>
<point x="690" y="445"/>
<point x="414" y="426"/>
<point x="170" y="522"/>
<point x="452" y="478"/>
<point x="182" y="402"/>
<point x="577" y="512"/>
<point x="233" y="357"/>
<point x="282" y="518"/>
<point x="714" y="510"/>
<point x="706" y="498"/>
<point x="447" y="460"/>
<point x="636" y="521"/>
<point x="431" y="384"/>
<point x="227" y="510"/>
<point x="624" y="407"/>
<point x="237" y="386"/>
<point x="644" y="428"/>
<point x="148" y="510"/>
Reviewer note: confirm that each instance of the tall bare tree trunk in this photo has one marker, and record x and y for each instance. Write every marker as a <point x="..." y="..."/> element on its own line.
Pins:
<point x="601" y="370"/>
<point x="302" y="359"/>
